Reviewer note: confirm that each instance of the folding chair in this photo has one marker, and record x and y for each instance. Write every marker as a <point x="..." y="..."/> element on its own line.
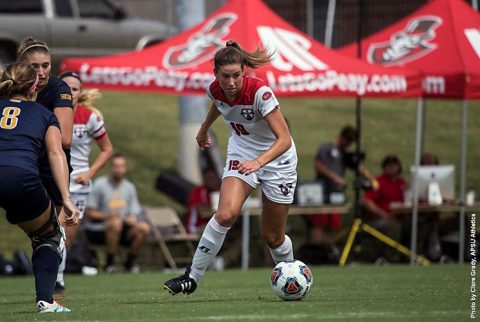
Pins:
<point x="168" y="229"/>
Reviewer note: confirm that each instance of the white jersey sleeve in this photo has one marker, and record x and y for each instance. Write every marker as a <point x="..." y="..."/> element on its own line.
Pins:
<point x="96" y="126"/>
<point x="265" y="100"/>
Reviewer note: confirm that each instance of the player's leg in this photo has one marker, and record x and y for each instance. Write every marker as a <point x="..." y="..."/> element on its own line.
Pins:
<point x="273" y="223"/>
<point x="27" y="205"/>
<point x="277" y="194"/>
<point x="47" y="243"/>
<point x="233" y="193"/>
<point x="80" y="200"/>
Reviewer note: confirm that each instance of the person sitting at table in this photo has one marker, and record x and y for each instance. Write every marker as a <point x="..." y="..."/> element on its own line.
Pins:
<point x="378" y="214"/>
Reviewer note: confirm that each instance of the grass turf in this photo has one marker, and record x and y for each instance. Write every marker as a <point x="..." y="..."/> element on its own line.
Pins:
<point x="145" y="128"/>
<point x="362" y="293"/>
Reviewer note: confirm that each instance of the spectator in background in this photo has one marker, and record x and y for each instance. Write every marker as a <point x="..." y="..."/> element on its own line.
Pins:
<point x="113" y="213"/>
<point x="331" y="161"/>
<point x="199" y="198"/>
<point x="378" y="202"/>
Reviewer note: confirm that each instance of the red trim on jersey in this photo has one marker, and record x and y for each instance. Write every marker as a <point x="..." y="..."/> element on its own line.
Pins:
<point x="101" y="136"/>
<point x="250" y="87"/>
<point x="82" y="115"/>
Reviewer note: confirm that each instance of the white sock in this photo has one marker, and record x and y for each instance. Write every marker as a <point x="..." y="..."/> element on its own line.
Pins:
<point x="208" y="247"/>
<point x="61" y="268"/>
<point x="283" y="252"/>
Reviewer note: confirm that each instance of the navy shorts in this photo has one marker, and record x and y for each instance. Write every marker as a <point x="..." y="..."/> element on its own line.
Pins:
<point x="22" y="194"/>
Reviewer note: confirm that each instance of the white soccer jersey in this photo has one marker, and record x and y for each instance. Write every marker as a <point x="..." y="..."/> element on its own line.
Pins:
<point x="251" y="135"/>
<point x="87" y="126"/>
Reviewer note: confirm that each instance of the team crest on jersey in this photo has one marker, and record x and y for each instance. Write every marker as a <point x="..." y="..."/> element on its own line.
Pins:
<point x="79" y="132"/>
<point x="247" y="113"/>
<point x="266" y="96"/>
<point x="202" y="45"/>
<point x="285" y="188"/>
<point x="411" y="43"/>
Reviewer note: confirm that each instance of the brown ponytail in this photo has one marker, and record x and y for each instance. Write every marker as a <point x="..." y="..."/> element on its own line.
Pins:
<point x="232" y="53"/>
<point x="17" y="79"/>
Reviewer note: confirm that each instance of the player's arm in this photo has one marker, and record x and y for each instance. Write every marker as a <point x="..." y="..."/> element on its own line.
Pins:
<point x="282" y="143"/>
<point x="65" y="118"/>
<point x="59" y="167"/>
<point x="106" y="151"/>
<point x="202" y="136"/>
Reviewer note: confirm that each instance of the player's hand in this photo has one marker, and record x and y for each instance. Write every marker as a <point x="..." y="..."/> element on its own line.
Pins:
<point x="249" y="166"/>
<point x="83" y="178"/>
<point x="375" y="184"/>
<point x="72" y="214"/>
<point x="203" y="139"/>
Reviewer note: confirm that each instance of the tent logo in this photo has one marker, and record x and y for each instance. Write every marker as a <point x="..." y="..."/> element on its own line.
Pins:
<point x="202" y="45"/>
<point x="408" y="44"/>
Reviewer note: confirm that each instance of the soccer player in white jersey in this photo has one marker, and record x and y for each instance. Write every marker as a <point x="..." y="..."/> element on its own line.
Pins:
<point x="260" y="151"/>
<point x="88" y="126"/>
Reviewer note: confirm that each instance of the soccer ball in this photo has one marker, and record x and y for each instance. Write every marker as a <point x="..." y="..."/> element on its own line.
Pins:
<point x="291" y="280"/>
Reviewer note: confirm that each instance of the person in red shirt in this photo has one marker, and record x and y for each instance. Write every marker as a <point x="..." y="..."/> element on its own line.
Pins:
<point x="199" y="198"/>
<point x="378" y="202"/>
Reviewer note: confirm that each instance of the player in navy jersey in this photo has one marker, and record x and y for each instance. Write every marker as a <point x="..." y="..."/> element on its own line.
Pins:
<point x="88" y="127"/>
<point x="27" y="128"/>
<point x="56" y="96"/>
<point x="260" y="151"/>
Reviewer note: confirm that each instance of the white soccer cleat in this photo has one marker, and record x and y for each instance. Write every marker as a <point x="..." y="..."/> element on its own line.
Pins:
<point x="45" y="307"/>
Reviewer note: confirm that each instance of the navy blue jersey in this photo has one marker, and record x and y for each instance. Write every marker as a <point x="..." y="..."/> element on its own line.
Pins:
<point x="23" y="125"/>
<point x="56" y="94"/>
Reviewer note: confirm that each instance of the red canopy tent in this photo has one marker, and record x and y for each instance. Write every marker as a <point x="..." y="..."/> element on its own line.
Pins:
<point x="442" y="40"/>
<point x="302" y="66"/>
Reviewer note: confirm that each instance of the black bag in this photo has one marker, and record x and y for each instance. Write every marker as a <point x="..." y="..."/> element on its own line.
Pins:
<point x="80" y="255"/>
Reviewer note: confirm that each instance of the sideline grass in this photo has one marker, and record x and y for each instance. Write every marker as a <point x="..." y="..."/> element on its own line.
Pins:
<point x="363" y="293"/>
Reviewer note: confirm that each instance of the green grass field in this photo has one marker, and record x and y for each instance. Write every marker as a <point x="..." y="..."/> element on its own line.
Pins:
<point x="145" y="128"/>
<point x="363" y="293"/>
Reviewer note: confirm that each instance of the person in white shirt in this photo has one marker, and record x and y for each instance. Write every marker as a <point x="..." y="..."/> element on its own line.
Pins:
<point x="260" y="151"/>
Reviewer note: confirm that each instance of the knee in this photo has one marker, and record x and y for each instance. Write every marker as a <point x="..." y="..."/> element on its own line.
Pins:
<point x="226" y="217"/>
<point x="273" y="240"/>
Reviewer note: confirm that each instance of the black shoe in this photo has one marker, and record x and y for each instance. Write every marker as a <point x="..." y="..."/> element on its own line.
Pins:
<point x="182" y="284"/>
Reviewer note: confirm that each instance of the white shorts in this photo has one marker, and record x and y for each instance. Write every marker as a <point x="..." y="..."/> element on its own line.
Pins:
<point x="278" y="186"/>
<point x="80" y="200"/>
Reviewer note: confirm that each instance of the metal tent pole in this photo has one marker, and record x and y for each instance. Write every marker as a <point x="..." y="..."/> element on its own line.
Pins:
<point x="463" y="172"/>
<point x="418" y="143"/>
